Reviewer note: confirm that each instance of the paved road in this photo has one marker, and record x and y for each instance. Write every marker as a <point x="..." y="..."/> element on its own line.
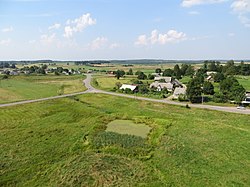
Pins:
<point x="91" y="89"/>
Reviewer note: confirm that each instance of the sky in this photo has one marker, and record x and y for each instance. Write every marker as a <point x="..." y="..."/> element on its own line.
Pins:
<point x="124" y="29"/>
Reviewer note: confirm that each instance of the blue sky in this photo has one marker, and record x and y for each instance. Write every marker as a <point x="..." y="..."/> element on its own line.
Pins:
<point x="124" y="29"/>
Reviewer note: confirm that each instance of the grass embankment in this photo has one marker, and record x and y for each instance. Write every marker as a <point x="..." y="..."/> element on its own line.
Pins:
<point x="63" y="143"/>
<point x="17" y="88"/>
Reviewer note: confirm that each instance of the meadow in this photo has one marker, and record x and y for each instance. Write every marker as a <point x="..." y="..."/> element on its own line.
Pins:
<point x="17" y="88"/>
<point x="64" y="142"/>
<point x="244" y="81"/>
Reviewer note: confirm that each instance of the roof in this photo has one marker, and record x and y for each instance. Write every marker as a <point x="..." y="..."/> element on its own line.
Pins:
<point x="168" y="85"/>
<point x="211" y="72"/>
<point x="179" y="91"/>
<point x="127" y="86"/>
<point x="167" y="79"/>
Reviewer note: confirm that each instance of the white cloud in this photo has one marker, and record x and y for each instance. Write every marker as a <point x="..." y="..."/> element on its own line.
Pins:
<point x="141" y="40"/>
<point x="78" y="25"/>
<point x="46" y="39"/>
<point x="241" y="6"/>
<point x="8" y="29"/>
<point x="55" y="26"/>
<point x="98" y="43"/>
<point x="190" y="3"/>
<point x="32" y="41"/>
<point x="172" y="36"/>
<point x="114" y="46"/>
<point x="231" y="34"/>
<point x="5" y="42"/>
<point x="242" y="9"/>
<point x="194" y="13"/>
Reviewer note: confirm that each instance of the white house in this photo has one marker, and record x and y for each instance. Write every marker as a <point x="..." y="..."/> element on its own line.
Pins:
<point x="127" y="86"/>
<point x="247" y="100"/>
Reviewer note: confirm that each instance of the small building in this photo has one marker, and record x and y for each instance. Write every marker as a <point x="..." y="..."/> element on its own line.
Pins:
<point x="160" y="86"/>
<point x="247" y="98"/>
<point x="211" y="73"/>
<point x="178" y="92"/>
<point x="156" y="74"/>
<point x="209" y="78"/>
<point x="133" y="88"/>
<point x="166" y="79"/>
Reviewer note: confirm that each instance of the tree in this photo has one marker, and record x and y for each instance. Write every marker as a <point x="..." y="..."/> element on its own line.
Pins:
<point x="218" y="77"/>
<point x="151" y="77"/>
<point x="158" y="70"/>
<point x="5" y="77"/>
<point x="189" y="71"/>
<point x="168" y="72"/>
<point x="119" y="74"/>
<point x="194" y="91"/>
<point x="184" y="68"/>
<point x="208" y="88"/>
<point x="232" y="90"/>
<point x="142" y="76"/>
<point x="212" y="66"/>
<point x="177" y="71"/>
<point x="118" y="85"/>
<point x="130" y="72"/>
<point x="143" y="89"/>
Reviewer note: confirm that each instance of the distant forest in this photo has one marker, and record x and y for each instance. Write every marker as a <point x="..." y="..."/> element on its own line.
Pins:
<point x="84" y="62"/>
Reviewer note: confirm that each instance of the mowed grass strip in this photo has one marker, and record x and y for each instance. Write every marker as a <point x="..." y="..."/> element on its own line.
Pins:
<point x="128" y="127"/>
<point x="48" y="144"/>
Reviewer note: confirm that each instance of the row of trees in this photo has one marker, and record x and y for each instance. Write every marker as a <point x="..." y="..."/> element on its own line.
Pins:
<point x="229" y="89"/>
<point x="177" y="72"/>
<point x="230" y="68"/>
<point x="7" y="65"/>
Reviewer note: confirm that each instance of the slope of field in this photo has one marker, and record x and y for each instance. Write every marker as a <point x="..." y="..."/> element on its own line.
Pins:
<point x="244" y="81"/>
<point x="33" y="87"/>
<point x="63" y="143"/>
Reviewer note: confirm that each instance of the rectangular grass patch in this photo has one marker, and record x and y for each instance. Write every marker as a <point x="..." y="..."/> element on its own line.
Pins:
<point x="128" y="127"/>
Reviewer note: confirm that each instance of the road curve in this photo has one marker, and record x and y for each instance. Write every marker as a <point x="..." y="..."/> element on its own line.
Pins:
<point x="91" y="89"/>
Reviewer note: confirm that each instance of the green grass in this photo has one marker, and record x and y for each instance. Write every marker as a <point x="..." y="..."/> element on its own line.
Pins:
<point x="52" y="143"/>
<point x="244" y="81"/>
<point x="185" y="79"/>
<point x="108" y="82"/>
<point x="33" y="87"/>
<point x="128" y="127"/>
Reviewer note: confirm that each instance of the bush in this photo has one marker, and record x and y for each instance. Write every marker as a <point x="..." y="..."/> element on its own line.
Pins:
<point x="182" y="97"/>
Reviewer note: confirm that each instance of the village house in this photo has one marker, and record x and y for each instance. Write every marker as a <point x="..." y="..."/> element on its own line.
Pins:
<point x="161" y="85"/>
<point x="133" y="88"/>
<point x="247" y="98"/>
<point x="178" y="92"/>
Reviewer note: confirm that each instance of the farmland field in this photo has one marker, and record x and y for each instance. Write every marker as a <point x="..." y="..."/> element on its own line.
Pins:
<point x="64" y="142"/>
<point x="34" y="87"/>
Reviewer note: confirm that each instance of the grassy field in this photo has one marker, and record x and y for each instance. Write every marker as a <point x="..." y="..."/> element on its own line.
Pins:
<point x="244" y="81"/>
<point x="32" y="87"/>
<point x="128" y="127"/>
<point x="108" y="82"/>
<point x="63" y="143"/>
